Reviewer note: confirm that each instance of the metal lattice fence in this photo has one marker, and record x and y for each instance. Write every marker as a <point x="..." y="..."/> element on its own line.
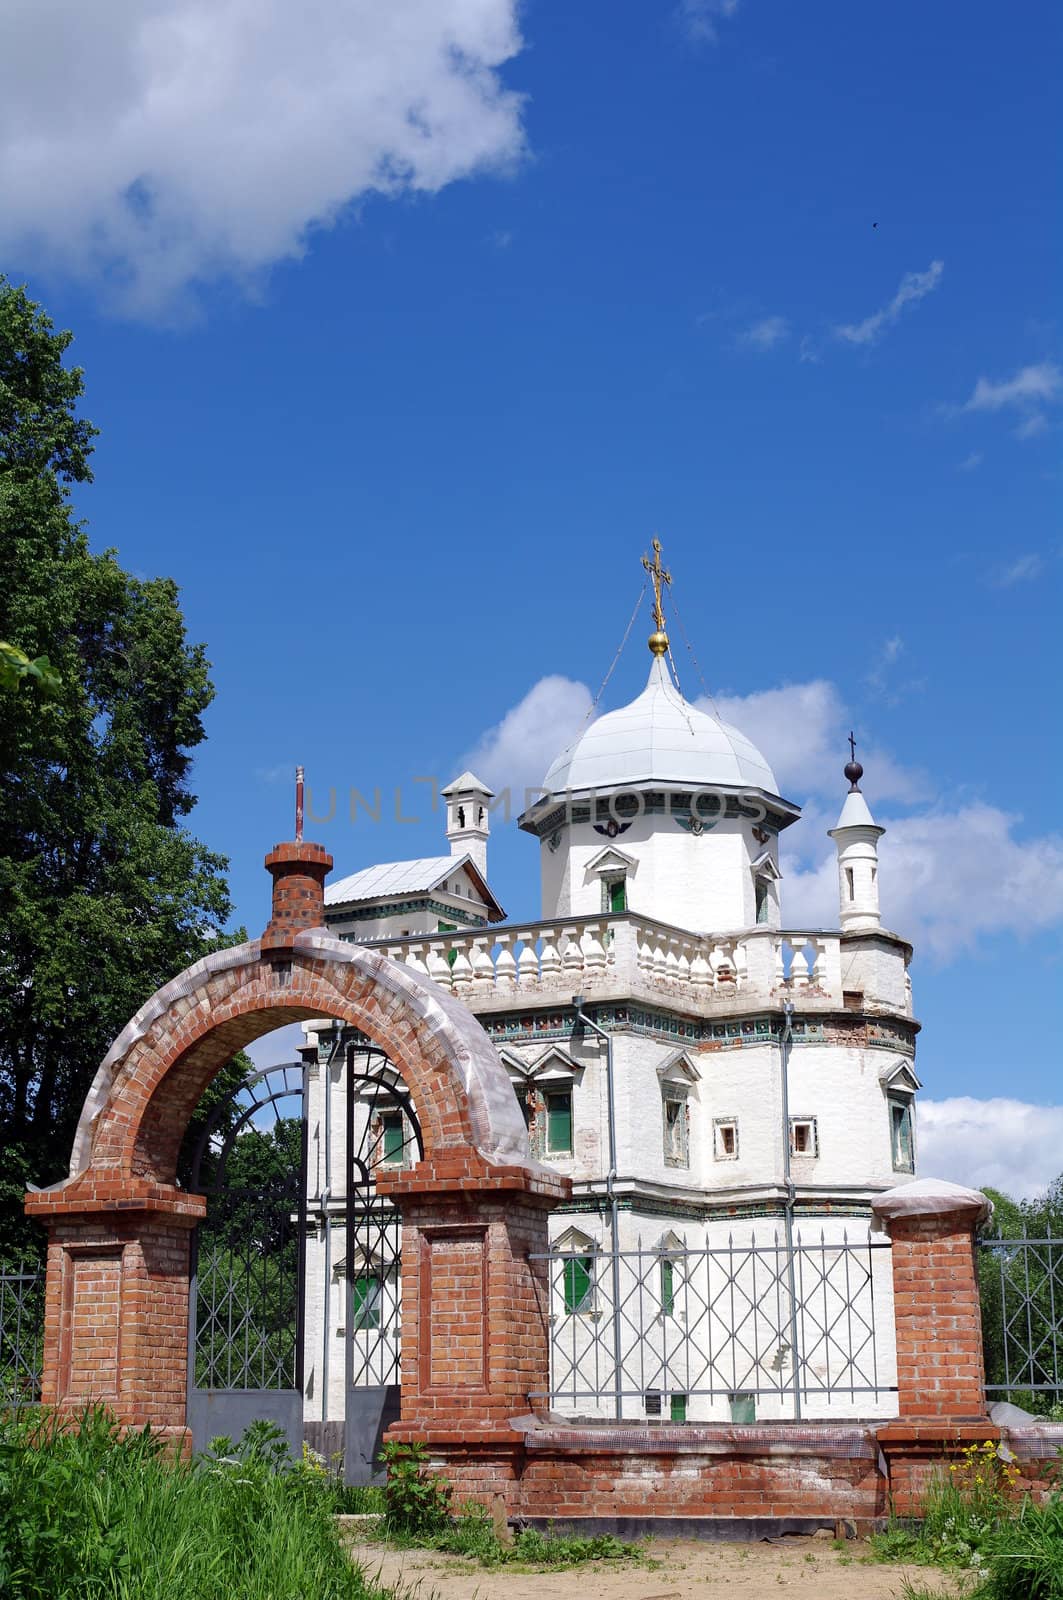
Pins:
<point x="21" y="1334"/>
<point x="1021" y="1284"/>
<point x="740" y="1329"/>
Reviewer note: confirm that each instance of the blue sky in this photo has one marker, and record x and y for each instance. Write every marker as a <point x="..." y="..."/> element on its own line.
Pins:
<point x="400" y="358"/>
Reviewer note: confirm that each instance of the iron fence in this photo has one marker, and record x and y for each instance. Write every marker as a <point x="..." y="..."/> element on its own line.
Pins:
<point x="21" y="1333"/>
<point x="1021" y="1284"/>
<point x="781" y="1329"/>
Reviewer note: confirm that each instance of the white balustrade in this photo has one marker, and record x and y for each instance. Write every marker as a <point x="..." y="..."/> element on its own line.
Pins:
<point x="597" y="954"/>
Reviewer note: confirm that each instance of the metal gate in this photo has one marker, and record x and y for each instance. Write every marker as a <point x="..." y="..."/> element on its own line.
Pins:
<point x="248" y="1258"/>
<point x="382" y="1132"/>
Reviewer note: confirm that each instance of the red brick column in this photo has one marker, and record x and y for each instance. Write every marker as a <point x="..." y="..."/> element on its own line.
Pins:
<point x="475" y="1305"/>
<point x="940" y="1367"/>
<point x="298" y="870"/>
<point x="116" y="1307"/>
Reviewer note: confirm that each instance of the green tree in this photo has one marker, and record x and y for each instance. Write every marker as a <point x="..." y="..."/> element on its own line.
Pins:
<point x="104" y="894"/>
<point x="1021" y="1290"/>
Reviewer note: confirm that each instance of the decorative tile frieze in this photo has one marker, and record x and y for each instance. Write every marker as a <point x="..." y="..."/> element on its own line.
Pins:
<point x="853" y="1029"/>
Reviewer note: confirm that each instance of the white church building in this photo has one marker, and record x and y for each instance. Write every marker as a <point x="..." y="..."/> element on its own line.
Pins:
<point x="706" y="1075"/>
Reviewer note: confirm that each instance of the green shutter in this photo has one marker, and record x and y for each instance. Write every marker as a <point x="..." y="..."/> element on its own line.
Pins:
<point x="743" y="1407"/>
<point x="559" y="1124"/>
<point x="618" y="895"/>
<point x="577" y="1284"/>
<point x="668" y="1288"/>
<point x="678" y="1410"/>
<point x="394" y="1139"/>
<point x="367" y="1295"/>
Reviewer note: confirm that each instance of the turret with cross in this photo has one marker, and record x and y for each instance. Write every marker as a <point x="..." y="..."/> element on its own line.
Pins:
<point x="658" y="641"/>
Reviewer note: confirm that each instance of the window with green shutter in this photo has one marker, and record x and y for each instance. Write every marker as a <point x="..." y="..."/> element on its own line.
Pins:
<point x="678" y="1408"/>
<point x="393" y="1139"/>
<point x="579" y="1285"/>
<point x="368" y="1294"/>
<point x="743" y="1406"/>
<point x="901" y="1135"/>
<point x="668" y="1288"/>
<point x="617" y="891"/>
<point x="559" y="1123"/>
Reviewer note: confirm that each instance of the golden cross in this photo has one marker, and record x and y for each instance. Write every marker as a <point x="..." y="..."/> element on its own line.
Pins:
<point x="659" y="576"/>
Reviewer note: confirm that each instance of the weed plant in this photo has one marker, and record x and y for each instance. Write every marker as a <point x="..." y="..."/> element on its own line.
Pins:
<point x="86" y="1513"/>
<point x="418" y="1513"/>
<point x="972" y="1521"/>
<point x="965" y="1507"/>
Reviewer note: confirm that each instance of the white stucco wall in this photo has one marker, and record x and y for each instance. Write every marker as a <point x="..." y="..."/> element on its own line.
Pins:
<point x="694" y="882"/>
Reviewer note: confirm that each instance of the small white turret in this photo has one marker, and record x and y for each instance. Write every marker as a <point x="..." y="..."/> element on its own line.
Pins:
<point x="856" y="836"/>
<point x="467" y="818"/>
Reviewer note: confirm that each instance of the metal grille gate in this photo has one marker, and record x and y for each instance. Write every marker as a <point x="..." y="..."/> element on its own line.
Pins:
<point x="248" y="1257"/>
<point x="382" y="1132"/>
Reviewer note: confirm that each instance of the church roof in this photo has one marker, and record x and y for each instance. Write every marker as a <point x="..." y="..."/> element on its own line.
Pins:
<point x="387" y="879"/>
<point x="659" y="738"/>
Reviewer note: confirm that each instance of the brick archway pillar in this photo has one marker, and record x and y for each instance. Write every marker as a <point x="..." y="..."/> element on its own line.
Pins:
<point x="117" y="1295"/>
<point x="938" y="1316"/>
<point x="475" y="1300"/>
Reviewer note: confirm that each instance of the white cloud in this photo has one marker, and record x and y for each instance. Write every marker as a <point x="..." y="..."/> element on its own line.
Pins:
<point x="766" y="334"/>
<point x="157" y="146"/>
<point x="1024" y="570"/>
<point x="999" y="1143"/>
<point x="947" y="879"/>
<point x="516" y="753"/>
<point x="1032" y="426"/>
<point x="801" y="728"/>
<point x="1030" y="386"/>
<point x="914" y="286"/>
<point x="971" y="462"/>
<point x="699" y="18"/>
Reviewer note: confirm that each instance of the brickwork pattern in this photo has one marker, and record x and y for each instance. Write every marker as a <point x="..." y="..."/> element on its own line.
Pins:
<point x="118" y="1261"/>
<point x="940" y="1370"/>
<point x="116" y="1316"/>
<point x="472" y="1352"/>
<point x="299" y="872"/>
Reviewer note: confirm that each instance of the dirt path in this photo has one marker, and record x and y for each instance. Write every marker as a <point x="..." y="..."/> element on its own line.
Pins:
<point x="688" y="1570"/>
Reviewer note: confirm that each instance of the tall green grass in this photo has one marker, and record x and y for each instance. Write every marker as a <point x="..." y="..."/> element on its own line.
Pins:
<point x="85" y="1513"/>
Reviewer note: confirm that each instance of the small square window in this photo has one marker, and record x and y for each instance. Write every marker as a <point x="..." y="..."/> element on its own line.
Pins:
<point x="676" y="1132"/>
<point x="653" y="1404"/>
<point x="804" y="1140"/>
<point x="559" y="1123"/>
<point x="725" y="1138"/>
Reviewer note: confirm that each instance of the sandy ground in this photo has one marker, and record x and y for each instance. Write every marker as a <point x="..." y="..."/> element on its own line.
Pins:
<point x="688" y="1570"/>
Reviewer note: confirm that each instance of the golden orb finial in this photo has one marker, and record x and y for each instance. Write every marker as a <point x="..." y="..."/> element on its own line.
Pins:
<point x="658" y="641"/>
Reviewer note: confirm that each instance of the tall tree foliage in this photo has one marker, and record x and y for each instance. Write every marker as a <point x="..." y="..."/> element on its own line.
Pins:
<point x="104" y="895"/>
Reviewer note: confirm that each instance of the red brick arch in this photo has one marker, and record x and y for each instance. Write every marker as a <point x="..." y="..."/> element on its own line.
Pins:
<point x="118" y="1258"/>
<point x="157" y="1070"/>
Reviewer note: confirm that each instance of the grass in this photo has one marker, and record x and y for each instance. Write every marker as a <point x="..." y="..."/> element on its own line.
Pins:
<point x="472" y="1536"/>
<point x="417" y="1512"/>
<point x="87" y="1514"/>
<point x="1012" y="1550"/>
